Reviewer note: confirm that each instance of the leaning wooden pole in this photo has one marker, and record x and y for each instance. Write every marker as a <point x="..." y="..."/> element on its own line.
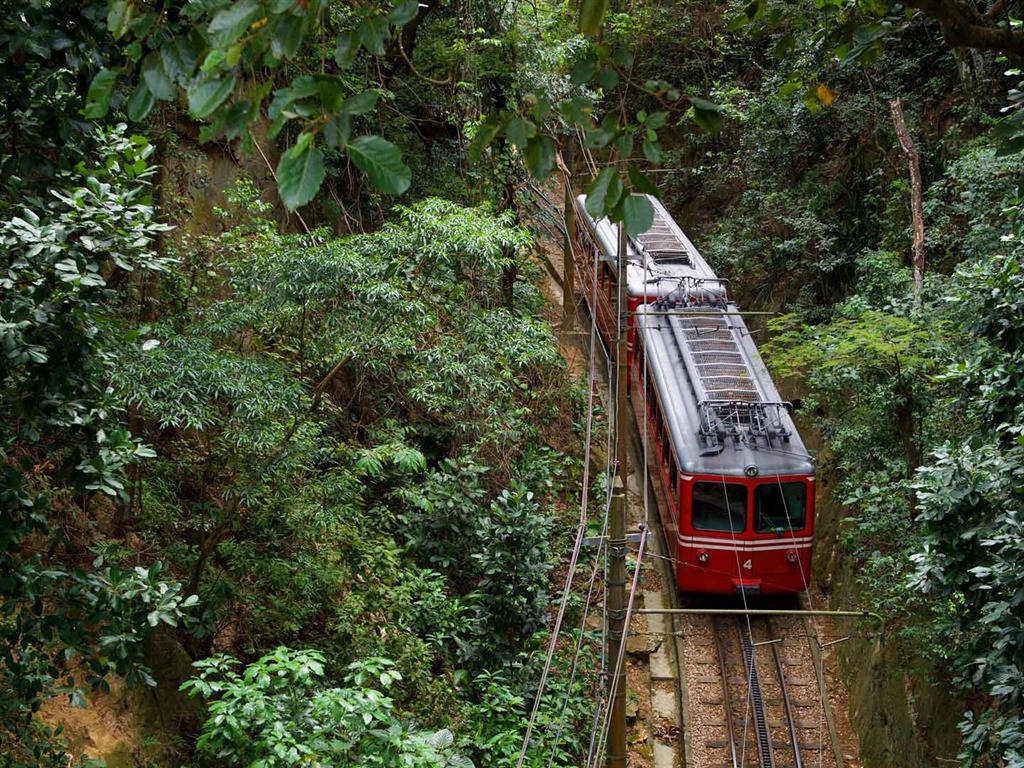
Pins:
<point x="916" y="206"/>
<point x="568" y="260"/>
<point x="615" y="754"/>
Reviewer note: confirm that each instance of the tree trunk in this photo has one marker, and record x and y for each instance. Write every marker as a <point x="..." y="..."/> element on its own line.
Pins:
<point x="916" y="207"/>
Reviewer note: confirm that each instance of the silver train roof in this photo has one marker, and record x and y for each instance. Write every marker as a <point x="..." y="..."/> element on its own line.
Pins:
<point x="660" y="261"/>
<point x="721" y="407"/>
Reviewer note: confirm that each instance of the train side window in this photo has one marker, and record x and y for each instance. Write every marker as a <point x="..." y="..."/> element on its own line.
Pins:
<point x="780" y="507"/>
<point x="719" y="507"/>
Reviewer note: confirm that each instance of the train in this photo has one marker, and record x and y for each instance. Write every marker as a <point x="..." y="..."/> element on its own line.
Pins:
<point x="734" y="481"/>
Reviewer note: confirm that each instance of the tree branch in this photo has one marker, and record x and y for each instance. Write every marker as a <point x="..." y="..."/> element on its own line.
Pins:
<point x="963" y="26"/>
<point x="916" y="207"/>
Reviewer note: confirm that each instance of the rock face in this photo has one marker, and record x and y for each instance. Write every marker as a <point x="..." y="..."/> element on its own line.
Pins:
<point x="131" y="727"/>
<point x="642" y="646"/>
<point x="903" y="714"/>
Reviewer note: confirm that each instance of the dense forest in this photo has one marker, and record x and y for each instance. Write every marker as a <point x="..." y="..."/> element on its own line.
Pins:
<point x="279" y="395"/>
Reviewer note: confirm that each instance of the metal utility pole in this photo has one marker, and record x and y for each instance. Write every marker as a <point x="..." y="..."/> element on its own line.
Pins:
<point x="616" y="588"/>
<point x="621" y="366"/>
<point x="616" y="605"/>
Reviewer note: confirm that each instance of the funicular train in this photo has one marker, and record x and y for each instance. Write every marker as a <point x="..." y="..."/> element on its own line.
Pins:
<point x="736" y="482"/>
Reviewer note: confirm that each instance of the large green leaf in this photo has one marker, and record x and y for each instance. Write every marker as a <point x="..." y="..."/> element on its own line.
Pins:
<point x="608" y="78"/>
<point x="372" y="33"/>
<point x="484" y="135"/>
<point x="652" y="151"/>
<point x="520" y="131"/>
<point x="204" y="99"/>
<point x="119" y="16"/>
<point x="140" y="103"/>
<point x="287" y="37"/>
<point x="640" y="182"/>
<point x="578" y="110"/>
<point x="656" y="120"/>
<point x="404" y="12"/>
<point x="582" y="71"/>
<point x="707" y="114"/>
<point x="637" y="214"/>
<point x="229" y="24"/>
<point x="345" y="49"/>
<point x="592" y="15"/>
<point x="604" y="193"/>
<point x="382" y="162"/>
<point x="155" y="76"/>
<point x="97" y="102"/>
<point x="540" y="156"/>
<point x="300" y="173"/>
<point x="360" y="103"/>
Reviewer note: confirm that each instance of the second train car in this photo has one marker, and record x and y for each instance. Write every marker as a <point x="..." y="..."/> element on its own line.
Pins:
<point x="736" y="481"/>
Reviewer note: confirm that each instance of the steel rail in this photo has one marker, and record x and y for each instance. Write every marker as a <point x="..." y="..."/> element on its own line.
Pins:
<point x="726" y="695"/>
<point x="787" y="704"/>
<point x="816" y="645"/>
<point x="764" y="741"/>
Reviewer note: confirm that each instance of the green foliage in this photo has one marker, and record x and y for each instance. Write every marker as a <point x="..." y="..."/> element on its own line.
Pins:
<point x="963" y="209"/>
<point x="280" y="712"/>
<point x="990" y="294"/>
<point x="56" y="295"/>
<point x="501" y="701"/>
<point x="337" y="422"/>
<point x="511" y="593"/>
<point x="939" y="391"/>
<point x="780" y="249"/>
<point x="204" y="51"/>
<point x="970" y="505"/>
<point x="46" y="62"/>
<point x="872" y="373"/>
<point x="69" y="263"/>
<point x="56" y="618"/>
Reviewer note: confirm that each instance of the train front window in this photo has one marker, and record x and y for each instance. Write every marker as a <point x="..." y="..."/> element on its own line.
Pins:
<point x="780" y="507"/>
<point x="719" y="507"/>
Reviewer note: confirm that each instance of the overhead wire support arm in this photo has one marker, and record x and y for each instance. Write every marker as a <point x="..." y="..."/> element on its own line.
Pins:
<point x="759" y="612"/>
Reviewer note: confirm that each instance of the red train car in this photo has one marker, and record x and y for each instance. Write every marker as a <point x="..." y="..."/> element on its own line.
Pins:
<point x="736" y="482"/>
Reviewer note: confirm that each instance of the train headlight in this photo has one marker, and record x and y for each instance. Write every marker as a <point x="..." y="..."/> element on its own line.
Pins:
<point x="791" y="556"/>
<point x="750" y="470"/>
<point x="703" y="557"/>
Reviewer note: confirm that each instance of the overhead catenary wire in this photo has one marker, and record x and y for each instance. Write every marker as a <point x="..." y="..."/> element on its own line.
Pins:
<point x="579" y="647"/>
<point x="598" y="743"/>
<point x="580" y="534"/>
<point x="606" y="723"/>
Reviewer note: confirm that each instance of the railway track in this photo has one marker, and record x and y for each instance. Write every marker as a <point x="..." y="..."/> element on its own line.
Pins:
<point x="754" y="694"/>
<point x="721" y="726"/>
